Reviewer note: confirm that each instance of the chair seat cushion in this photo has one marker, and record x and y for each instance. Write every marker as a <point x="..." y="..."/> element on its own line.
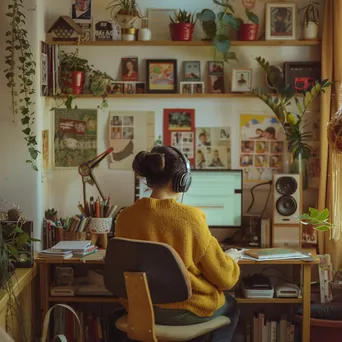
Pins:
<point x="180" y="333"/>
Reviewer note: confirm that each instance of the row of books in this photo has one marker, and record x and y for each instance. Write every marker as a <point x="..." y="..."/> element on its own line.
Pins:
<point x="262" y="330"/>
<point x="69" y="249"/>
<point x="93" y="328"/>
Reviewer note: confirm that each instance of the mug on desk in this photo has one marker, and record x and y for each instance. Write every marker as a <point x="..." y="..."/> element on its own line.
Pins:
<point x="99" y="228"/>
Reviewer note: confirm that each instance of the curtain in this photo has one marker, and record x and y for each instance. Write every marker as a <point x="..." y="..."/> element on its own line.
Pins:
<point x="332" y="69"/>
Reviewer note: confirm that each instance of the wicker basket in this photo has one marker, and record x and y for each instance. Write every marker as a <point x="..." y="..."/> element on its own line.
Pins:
<point x="75" y="236"/>
<point x="100" y="225"/>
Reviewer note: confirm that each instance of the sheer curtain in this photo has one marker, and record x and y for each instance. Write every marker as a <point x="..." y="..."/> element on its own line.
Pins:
<point x="332" y="69"/>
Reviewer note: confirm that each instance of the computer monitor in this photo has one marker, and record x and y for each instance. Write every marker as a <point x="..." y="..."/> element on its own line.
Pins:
<point x="217" y="192"/>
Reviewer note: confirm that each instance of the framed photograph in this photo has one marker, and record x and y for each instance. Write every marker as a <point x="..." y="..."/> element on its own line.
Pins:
<point x="198" y="88"/>
<point x="158" y="22"/>
<point x="130" y="69"/>
<point x="129" y="88"/>
<point x="216" y="77"/>
<point x="241" y="80"/>
<point x="115" y="88"/>
<point x="81" y="9"/>
<point x="192" y="71"/>
<point x="103" y="30"/>
<point x="186" y="87"/>
<point x="161" y="76"/>
<point x="281" y="21"/>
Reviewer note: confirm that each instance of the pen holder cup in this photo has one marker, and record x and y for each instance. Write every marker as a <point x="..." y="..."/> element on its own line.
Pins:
<point x="100" y="225"/>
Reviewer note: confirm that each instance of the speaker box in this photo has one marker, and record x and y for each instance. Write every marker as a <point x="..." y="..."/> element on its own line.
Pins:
<point x="287" y="199"/>
<point x="287" y="207"/>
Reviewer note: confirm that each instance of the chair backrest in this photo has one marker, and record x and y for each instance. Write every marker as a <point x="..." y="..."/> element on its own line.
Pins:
<point x="166" y="274"/>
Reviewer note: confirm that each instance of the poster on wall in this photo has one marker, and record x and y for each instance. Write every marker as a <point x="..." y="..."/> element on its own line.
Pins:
<point x="179" y="131"/>
<point x="81" y="9"/>
<point x="129" y="133"/>
<point x="45" y="149"/>
<point x="75" y="137"/>
<point x="213" y="148"/>
<point x="261" y="147"/>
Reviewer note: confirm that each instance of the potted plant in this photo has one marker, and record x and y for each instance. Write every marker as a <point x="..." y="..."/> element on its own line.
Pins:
<point x="310" y="20"/>
<point x="292" y="121"/>
<point x="73" y="72"/>
<point x="125" y="12"/>
<point x="250" y="30"/>
<point x="51" y="214"/>
<point x="182" y="26"/>
<point x="216" y="27"/>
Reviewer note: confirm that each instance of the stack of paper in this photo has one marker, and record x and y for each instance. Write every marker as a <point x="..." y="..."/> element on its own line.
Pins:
<point x="77" y="248"/>
<point x="273" y="254"/>
<point x="49" y="253"/>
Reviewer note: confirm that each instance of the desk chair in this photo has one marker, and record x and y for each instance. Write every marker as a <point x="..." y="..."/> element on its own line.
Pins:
<point x="148" y="273"/>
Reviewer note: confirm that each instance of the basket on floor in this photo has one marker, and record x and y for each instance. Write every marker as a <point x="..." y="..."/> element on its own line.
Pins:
<point x="75" y="236"/>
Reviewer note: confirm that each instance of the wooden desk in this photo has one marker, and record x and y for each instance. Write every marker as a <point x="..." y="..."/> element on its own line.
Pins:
<point x="46" y="299"/>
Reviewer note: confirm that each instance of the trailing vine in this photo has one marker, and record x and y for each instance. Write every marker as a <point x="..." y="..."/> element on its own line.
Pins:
<point x="20" y="73"/>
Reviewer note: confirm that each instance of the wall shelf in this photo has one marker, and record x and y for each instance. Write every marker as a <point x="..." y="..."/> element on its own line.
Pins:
<point x="194" y="43"/>
<point x="269" y="300"/>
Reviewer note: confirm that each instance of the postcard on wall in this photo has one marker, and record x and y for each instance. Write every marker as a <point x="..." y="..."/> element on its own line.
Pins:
<point x="261" y="147"/>
<point x="81" y="9"/>
<point x="129" y="133"/>
<point x="75" y="140"/>
<point x="213" y="148"/>
<point x="179" y="131"/>
<point x="87" y="29"/>
<point x="130" y="67"/>
<point x="45" y="149"/>
<point x="216" y="77"/>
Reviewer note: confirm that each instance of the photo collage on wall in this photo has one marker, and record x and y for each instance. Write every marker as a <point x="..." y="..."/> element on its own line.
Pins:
<point x="213" y="148"/>
<point x="75" y="137"/>
<point x="129" y="133"/>
<point x="261" y="147"/>
<point x="179" y="131"/>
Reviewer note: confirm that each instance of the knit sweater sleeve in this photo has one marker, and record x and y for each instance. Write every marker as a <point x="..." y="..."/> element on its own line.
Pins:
<point x="217" y="267"/>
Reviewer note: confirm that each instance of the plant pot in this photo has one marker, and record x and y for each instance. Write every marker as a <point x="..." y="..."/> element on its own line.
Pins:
<point x="248" y="32"/>
<point x="125" y="20"/>
<point x="77" y="82"/>
<point x="181" y="31"/>
<point x="310" y="30"/>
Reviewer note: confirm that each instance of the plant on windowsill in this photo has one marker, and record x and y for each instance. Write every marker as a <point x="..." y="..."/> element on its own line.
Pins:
<point x="249" y="30"/>
<point x="182" y="25"/>
<point x="310" y="20"/>
<point x="20" y="73"/>
<point x="319" y="219"/>
<point x="216" y="28"/>
<point x="291" y="121"/>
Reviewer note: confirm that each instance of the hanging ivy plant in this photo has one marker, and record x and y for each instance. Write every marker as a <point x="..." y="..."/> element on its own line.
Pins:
<point x="20" y="73"/>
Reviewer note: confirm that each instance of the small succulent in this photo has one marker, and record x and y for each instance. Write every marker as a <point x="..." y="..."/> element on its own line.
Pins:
<point x="183" y="17"/>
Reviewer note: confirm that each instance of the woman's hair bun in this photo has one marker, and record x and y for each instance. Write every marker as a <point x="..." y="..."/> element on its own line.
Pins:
<point x="149" y="164"/>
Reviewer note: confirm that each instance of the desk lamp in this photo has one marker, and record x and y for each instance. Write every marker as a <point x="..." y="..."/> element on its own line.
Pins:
<point x="86" y="172"/>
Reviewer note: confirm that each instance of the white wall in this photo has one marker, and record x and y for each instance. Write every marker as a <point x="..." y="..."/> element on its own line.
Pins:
<point x="19" y="184"/>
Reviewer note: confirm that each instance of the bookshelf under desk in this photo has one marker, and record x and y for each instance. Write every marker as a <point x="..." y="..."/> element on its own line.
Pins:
<point x="45" y="273"/>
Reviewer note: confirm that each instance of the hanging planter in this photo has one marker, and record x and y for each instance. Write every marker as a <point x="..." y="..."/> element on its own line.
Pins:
<point x="182" y="26"/>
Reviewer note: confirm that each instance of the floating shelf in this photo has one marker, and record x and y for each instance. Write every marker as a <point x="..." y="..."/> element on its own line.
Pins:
<point x="192" y="43"/>
<point x="165" y="96"/>
<point x="85" y="299"/>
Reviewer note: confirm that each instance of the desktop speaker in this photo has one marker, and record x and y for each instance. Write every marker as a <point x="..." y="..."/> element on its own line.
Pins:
<point x="287" y="207"/>
<point x="287" y="200"/>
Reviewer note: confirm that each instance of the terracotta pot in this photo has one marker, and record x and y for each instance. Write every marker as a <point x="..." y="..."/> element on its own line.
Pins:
<point x="77" y="82"/>
<point x="248" y="32"/>
<point x="181" y="31"/>
<point x="310" y="31"/>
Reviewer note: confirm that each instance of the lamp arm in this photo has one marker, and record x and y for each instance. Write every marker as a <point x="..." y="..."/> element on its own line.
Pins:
<point x="92" y="177"/>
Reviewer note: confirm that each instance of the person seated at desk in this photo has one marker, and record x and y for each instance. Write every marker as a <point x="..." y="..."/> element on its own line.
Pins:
<point x="161" y="218"/>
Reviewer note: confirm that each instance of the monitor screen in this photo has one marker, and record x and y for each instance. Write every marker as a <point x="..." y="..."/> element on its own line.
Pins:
<point x="217" y="192"/>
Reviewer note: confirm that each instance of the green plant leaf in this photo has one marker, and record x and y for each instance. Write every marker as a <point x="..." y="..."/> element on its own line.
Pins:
<point x="252" y="17"/>
<point x="322" y="228"/>
<point x="222" y="43"/>
<point x="230" y="7"/>
<point x="206" y="15"/>
<point x="314" y="212"/>
<point x="323" y="215"/>
<point x="230" y="56"/>
<point x="228" y="19"/>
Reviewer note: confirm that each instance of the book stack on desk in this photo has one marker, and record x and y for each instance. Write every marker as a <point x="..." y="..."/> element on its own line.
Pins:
<point x="267" y="254"/>
<point x="68" y="249"/>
